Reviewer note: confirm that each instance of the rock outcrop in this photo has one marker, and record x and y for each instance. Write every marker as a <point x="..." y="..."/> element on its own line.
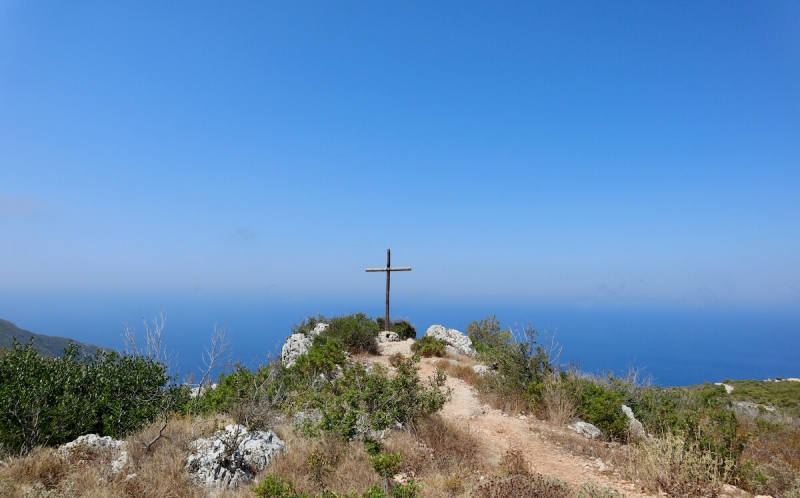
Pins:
<point x="388" y="337"/>
<point x="92" y="444"/>
<point x="232" y="456"/>
<point x="298" y="344"/>
<point x="586" y="429"/>
<point x="480" y="369"/>
<point x="455" y="340"/>
<point x="635" y="428"/>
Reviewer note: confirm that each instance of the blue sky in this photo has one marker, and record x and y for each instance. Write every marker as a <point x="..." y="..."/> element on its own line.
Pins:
<point x="634" y="152"/>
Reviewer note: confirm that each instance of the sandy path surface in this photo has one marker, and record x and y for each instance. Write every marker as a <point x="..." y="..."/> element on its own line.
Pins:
<point x="502" y="433"/>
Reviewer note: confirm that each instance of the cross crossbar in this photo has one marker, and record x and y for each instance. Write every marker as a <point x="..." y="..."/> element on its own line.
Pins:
<point x="388" y="271"/>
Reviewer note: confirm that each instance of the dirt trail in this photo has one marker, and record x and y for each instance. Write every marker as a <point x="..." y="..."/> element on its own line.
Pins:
<point x="502" y="433"/>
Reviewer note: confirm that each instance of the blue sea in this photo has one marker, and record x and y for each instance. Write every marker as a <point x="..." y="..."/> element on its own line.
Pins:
<point x="677" y="345"/>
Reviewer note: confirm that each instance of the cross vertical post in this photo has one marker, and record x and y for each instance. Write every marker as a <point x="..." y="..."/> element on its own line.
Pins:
<point x="388" y="271"/>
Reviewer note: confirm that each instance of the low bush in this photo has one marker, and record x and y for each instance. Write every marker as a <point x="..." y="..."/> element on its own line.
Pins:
<point x="49" y="401"/>
<point x="402" y="328"/>
<point x="360" y="400"/>
<point x="603" y="408"/>
<point x="357" y="333"/>
<point x="429" y="346"/>
<point x="276" y="487"/>
<point x="678" y="466"/>
<point x="523" y="485"/>
<point x="522" y="364"/>
<point x="776" y="478"/>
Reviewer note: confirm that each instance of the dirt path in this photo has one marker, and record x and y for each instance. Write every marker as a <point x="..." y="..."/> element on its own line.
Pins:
<point x="503" y="433"/>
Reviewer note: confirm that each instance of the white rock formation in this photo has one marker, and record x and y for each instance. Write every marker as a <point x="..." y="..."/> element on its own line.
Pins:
<point x="455" y="340"/>
<point x="298" y="344"/>
<point x="728" y="387"/>
<point x="232" y="456"/>
<point x="480" y="369"/>
<point x="92" y="443"/>
<point x="586" y="429"/>
<point x="635" y="428"/>
<point x="388" y="337"/>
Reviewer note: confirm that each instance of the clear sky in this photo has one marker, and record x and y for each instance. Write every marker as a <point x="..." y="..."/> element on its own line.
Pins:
<point x="623" y="151"/>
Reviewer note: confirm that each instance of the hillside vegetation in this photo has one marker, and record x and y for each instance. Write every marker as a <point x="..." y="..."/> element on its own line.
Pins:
<point x="361" y="425"/>
<point x="45" y="345"/>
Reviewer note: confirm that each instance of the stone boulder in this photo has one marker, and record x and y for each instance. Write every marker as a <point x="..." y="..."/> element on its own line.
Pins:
<point x="480" y="369"/>
<point x="232" y="456"/>
<point x="586" y="429"/>
<point x="92" y="444"/>
<point x="635" y="428"/>
<point x="455" y="340"/>
<point x="388" y="337"/>
<point x="298" y="344"/>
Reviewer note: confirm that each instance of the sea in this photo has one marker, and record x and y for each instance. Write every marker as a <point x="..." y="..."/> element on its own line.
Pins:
<point x="673" y="344"/>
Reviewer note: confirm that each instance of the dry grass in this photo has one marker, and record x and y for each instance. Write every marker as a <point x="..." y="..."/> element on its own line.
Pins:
<point x="347" y="462"/>
<point x="558" y="405"/>
<point x="159" y="473"/>
<point x="513" y="404"/>
<point x="668" y="464"/>
<point x="458" y="370"/>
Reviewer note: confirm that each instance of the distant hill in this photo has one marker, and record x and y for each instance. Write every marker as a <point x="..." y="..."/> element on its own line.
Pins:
<point x="46" y="345"/>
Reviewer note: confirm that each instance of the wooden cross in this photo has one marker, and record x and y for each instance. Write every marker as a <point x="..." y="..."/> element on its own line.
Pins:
<point x="388" y="271"/>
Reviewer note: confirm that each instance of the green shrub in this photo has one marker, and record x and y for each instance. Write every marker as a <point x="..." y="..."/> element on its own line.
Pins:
<point x="603" y="408"/>
<point x="776" y="478"/>
<point x="387" y="465"/>
<point x="357" y="333"/>
<point x="49" y="401"/>
<point x="411" y="489"/>
<point x="429" y="346"/>
<point x="276" y="487"/>
<point x="591" y="489"/>
<point x="402" y="328"/>
<point x="323" y="357"/>
<point x="360" y="400"/>
<point x="522" y="364"/>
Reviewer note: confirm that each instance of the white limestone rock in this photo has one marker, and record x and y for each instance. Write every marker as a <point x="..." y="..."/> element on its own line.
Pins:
<point x="388" y="337"/>
<point x="94" y="444"/>
<point x="296" y="345"/>
<point x="635" y="428"/>
<point x="480" y="369"/>
<point x="232" y="456"/>
<point x="455" y="340"/>
<point x="586" y="429"/>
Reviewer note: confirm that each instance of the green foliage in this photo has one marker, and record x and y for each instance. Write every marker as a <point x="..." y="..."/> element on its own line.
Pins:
<point x="522" y="364"/>
<point x="307" y="324"/>
<point x="323" y="357"/>
<point x="276" y="487"/>
<point x="371" y="446"/>
<point x="402" y="328"/>
<point x="776" y="478"/>
<point x="386" y="464"/>
<point x="783" y="395"/>
<point x="487" y="336"/>
<point x="429" y="346"/>
<point x="360" y="400"/>
<point x="356" y="332"/>
<point x="54" y="400"/>
<point x="45" y="345"/>
<point x="411" y="489"/>
<point x="603" y="408"/>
